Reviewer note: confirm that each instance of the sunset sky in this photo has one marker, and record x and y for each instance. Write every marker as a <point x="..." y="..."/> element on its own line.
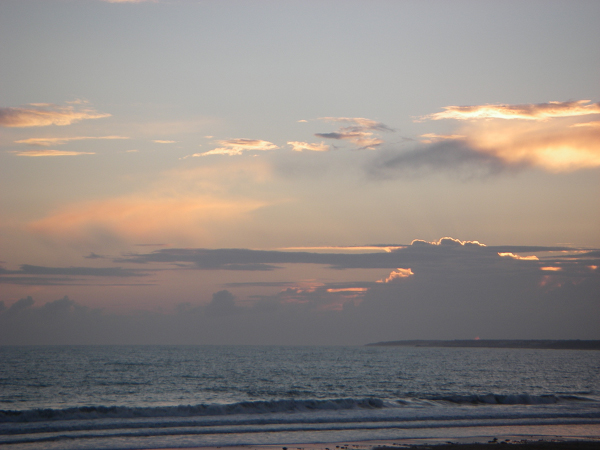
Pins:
<point x="298" y="172"/>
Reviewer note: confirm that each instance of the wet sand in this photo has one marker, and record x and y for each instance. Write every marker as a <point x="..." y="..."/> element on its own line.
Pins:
<point x="479" y="443"/>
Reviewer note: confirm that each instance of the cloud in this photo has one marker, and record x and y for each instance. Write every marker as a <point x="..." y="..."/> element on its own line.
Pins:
<point x="42" y="153"/>
<point x="446" y="289"/>
<point x="239" y="146"/>
<point x="301" y="146"/>
<point x="46" y="142"/>
<point x="536" y="111"/>
<point x="44" y="114"/>
<point x="452" y="155"/>
<point x="222" y="304"/>
<point x="548" y="136"/>
<point x="397" y="274"/>
<point x="131" y="219"/>
<point x="30" y="275"/>
<point x="359" y="132"/>
<point x="182" y="207"/>
<point x="415" y="255"/>
<point x="429" y="138"/>
<point x="159" y="141"/>
<point x="359" y="123"/>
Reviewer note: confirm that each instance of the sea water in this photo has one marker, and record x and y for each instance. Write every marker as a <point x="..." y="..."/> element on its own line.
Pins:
<point x="123" y="397"/>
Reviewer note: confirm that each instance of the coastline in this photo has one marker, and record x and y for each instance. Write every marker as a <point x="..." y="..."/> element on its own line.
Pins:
<point x="474" y="443"/>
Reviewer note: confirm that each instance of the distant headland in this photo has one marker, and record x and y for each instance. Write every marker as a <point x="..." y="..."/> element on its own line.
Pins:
<point x="574" y="344"/>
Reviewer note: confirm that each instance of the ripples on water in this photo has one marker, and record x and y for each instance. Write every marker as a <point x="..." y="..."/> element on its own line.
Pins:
<point x="107" y="397"/>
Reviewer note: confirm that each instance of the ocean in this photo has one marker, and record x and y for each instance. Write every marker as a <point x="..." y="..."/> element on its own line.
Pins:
<point x="124" y="397"/>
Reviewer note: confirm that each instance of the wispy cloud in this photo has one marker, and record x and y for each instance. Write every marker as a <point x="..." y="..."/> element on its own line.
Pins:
<point x="47" y="142"/>
<point x="42" y="153"/>
<point x="159" y="141"/>
<point x="238" y="146"/>
<point x="44" y="114"/>
<point x="315" y="147"/>
<point x="359" y="131"/>
<point x="536" y="111"/>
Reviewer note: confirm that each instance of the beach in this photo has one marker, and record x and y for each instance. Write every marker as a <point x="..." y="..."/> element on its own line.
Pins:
<point x="516" y="443"/>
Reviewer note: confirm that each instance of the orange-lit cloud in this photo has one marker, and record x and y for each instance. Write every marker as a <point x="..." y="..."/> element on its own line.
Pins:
<point x="133" y="219"/>
<point x="352" y="290"/>
<point x="301" y="146"/>
<point x="160" y="141"/>
<point x="448" y="241"/>
<point x="44" y="114"/>
<point x="552" y="145"/>
<point x="196" y="206"/>
<point x="432" y="137"/>
<point x="46" y="142"/>
<point x="41" y="153"/>
<point x="357" y="248"/>
<point x="548" y="135"/>
<point x="359" y="131"/>
<point x="551" y="269"/>
<point x="239" y="146"/>
<point x="524" y="258"/>
<point x="536" y="111"/>
<point x="396" y="275"/>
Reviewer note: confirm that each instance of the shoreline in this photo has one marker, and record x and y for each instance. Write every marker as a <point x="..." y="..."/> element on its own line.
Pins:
<point x="533" y="442"/>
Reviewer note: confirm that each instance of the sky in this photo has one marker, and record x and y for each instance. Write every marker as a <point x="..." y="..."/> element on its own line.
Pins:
<point x="298" y="172"/>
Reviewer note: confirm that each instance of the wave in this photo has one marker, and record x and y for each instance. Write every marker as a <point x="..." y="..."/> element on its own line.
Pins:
<point x="274" y="406"/>
<point x="257" y="407"/>
<point x="508" y="399"/>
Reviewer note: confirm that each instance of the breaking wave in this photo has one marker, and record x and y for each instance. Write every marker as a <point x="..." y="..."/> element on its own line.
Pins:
<point x="274" y="406"/>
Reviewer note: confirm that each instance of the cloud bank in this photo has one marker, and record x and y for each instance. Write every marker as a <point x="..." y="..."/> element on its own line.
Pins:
<point x="449" y="289"/>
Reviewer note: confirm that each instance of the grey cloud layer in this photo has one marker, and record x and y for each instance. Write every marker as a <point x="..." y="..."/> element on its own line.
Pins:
<point x="445" y="155"/>
<point x="41" y="275"/>
<point x="416" y="253"/>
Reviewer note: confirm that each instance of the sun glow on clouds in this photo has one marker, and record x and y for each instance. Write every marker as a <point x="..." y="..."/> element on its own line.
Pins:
<point x="41" y="153"/>
<point x="396" y="275"/>
<point x="238" y="146"/>
<point x="184" y="207"/>
<point x="542" y="135"/>
<point x="539" y="111"/>
<point x="131" y="219"/>
<point x="44" y="114"/>
<point x="301" y="146"/>
<point x="359" y="132"/>
<point x="448" y="241"/>
<point x="513" y="256"/>
<point x="46" y="142"/>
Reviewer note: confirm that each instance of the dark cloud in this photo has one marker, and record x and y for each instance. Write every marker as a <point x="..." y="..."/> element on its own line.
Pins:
<point x="93" y="255"/>
<point x="452" y="155"/>
<point x="450" y="299"/>
<point x="56" y="276"/>
<point x="20" y="305"/>
<point x="448" y="289"/>
<point x="80" y="271"/>
<point x="419" y="252"/>
<point x="222" y="304"/>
